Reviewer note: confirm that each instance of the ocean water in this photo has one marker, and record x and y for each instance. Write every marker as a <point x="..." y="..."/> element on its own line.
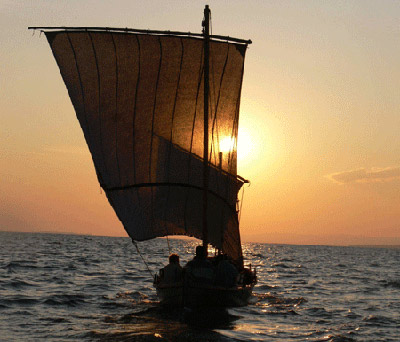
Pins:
<point x="86" y="288"/>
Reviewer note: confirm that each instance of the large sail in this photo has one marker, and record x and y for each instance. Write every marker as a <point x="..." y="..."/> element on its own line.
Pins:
<point x="139" y="100"/>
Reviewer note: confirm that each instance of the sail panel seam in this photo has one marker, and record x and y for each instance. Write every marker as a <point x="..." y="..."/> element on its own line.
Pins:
<point x="201" y="70"/>
<point x="134" y="117"/>
<point x="152" y="134"/>
<point x="171" y="135"/>
<point x="235" y="126"/>
<point x="116" y="108"/>
<point x="80" y="83"/>
<point x="135" y="110"/>
<point x="215" y="121"/>
<point x="99" y="104"/>
<point x="89" y="140"/>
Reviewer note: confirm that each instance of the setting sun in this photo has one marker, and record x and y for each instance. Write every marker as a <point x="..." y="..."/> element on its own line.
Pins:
<point x="227" y="144"/>
<point x="245" y="145"/>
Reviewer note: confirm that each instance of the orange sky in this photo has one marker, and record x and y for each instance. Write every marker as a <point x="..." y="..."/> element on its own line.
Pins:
<point x="320" y="117"/>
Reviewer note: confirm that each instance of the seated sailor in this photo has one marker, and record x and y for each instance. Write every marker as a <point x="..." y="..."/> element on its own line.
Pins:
<point x="199" y="267"/>
<point x="173" y="272"/>
<point x="226" y="273"/>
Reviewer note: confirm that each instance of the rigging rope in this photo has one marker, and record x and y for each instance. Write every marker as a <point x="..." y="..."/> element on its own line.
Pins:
<point x="137" y="248"/>
<point x="241" y="203"/>
<point x="169" y="247"/>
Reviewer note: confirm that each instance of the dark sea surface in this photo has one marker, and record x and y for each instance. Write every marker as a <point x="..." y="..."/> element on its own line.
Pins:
<point x="87" y="288"/>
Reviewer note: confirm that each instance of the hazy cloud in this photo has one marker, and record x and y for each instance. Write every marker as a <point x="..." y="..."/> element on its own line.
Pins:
<point x="365" y="176"/>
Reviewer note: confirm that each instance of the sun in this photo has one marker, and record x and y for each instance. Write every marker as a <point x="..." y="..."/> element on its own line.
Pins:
<point x="226" y="144"/>
<point x="245" y="148"/>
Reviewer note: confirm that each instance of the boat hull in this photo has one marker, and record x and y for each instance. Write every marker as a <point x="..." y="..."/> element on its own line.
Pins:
<point x="170" y="295"/>
<point x="198" y="295"/>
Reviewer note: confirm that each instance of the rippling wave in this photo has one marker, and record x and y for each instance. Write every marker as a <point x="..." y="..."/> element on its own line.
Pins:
<point x="65" y="287"/>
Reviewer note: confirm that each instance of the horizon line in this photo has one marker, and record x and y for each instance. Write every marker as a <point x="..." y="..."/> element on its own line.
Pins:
<point x="179" y="237"/>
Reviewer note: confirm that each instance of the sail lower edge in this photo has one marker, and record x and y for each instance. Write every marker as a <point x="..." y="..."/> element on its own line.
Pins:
<point x="175" y="210"/>
<point x="150" y="185"/>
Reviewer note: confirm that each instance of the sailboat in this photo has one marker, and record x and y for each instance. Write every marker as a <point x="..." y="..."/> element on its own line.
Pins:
<point x="156" y="108"/>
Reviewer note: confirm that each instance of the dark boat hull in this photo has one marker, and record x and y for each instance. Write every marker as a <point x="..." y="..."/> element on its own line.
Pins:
<point x="198" y="295"/>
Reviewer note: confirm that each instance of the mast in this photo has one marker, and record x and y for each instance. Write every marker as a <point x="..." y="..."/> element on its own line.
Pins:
<point x="206" y="34"/>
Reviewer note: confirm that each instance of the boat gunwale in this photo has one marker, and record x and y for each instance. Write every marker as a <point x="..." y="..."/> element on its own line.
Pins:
<point x="204" y="286"/>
